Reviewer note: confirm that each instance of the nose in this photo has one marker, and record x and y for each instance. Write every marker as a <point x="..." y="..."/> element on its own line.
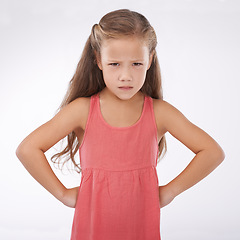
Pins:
<point x="125" y="74"/>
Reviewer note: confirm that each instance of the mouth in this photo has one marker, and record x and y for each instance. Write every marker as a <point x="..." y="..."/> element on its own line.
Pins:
<point x="125" y="87"/>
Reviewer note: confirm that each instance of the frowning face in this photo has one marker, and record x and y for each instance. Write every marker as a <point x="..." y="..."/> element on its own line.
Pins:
<point x="124" y="63"/>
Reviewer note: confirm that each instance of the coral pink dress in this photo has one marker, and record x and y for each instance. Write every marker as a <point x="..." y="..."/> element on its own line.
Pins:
<point x="118" y="194"/>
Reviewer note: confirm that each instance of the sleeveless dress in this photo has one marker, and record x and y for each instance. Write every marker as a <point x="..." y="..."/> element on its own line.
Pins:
<point x="118" y="196"/>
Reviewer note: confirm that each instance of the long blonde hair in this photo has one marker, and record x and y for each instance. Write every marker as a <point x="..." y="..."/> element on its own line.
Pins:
<point x="88" y="78"/>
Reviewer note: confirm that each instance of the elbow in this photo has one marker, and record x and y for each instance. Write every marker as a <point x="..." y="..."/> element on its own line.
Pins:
<point x="219" y="155"/>
<point x="25" y="151"/>
<point x="222" y="156"/>
<point x="21" y="152"/>
<point x="216" y="154"/>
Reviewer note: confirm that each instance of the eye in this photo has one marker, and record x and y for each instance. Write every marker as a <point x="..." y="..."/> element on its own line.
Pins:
<point x="113" y="64"/>
<point x="137" y="64"/>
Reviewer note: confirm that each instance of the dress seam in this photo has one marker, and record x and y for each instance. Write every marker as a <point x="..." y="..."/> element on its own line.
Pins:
<point x="121" y="128"/>
<point x="154" y="120"/>
<point x="113" y="170"/>
<point x="155" y="127"/>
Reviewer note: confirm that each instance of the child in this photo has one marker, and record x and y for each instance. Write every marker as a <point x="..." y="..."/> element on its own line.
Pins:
<point x="114" y="113"/>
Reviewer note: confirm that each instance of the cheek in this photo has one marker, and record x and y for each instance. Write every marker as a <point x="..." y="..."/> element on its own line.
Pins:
<point x="108" y="77"/>
<point x="110" y="74"/>
<point x="142" y="73"/>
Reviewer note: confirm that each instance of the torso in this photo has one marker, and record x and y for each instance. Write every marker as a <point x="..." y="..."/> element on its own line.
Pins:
<point x="111" y="118"/>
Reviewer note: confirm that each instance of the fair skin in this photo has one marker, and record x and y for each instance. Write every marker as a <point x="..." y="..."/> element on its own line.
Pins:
<point x="124" y="62"/>
<point x="120" y="108"/>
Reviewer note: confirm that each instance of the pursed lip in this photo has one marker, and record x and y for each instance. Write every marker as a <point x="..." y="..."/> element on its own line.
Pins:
<point x="125" y="87"/>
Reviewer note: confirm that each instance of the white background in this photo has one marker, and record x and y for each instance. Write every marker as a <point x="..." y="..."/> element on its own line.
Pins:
<point x="198" y="49"/>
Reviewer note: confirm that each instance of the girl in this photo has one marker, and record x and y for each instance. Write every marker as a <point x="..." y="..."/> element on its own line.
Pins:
<point x="114" y="113"/>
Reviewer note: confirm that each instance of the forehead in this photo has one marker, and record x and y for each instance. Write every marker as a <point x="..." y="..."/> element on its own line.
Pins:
<point x="130" y="47"/>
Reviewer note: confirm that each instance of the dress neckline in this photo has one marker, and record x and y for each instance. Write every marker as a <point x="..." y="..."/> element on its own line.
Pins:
<point x="120" y="128"/>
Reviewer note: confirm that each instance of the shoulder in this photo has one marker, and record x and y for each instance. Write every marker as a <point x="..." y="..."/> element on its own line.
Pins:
<point x="180" y="127"/>
<point x="172" y="120"/>
<point x="80" y="102"/>
<point x="163" y="106"/>
<point x="70" y="118"/>
<point x="165" y="114"/>
<point x="74" y="114"/>
<point x="79" y="109"/>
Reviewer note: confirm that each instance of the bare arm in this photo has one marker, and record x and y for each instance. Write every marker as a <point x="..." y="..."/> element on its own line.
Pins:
<point x="31" y="150"/>
<point x="208" y="152"/>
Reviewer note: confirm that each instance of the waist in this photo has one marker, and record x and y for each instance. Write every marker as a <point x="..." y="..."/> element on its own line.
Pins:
<point x="117" y="169"/>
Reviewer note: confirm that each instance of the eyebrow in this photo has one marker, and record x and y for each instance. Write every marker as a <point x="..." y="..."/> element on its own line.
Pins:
<point x="134" y="60"/>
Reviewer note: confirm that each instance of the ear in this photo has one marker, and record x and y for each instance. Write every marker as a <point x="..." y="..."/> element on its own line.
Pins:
<point x="98" y="60"/>
<point x="99" y="64"/>
<point x="150" y="60"/>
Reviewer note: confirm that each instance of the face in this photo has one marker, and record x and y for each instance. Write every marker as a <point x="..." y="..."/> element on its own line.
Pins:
<point x="124" y="63"/>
